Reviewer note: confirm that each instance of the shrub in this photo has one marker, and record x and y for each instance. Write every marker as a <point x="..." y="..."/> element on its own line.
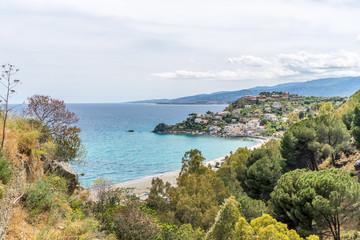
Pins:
<point x="57" y="184"/>
<point x="38" y="197"/>
<point x="131" y="222"/>
<point x="5" y="170"/>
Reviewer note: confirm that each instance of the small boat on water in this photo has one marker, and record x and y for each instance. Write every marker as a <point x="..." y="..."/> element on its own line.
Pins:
<point x="130" y="130"/>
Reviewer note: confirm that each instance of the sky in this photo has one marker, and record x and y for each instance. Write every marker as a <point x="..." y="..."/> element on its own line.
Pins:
<point x="126" y="50"/>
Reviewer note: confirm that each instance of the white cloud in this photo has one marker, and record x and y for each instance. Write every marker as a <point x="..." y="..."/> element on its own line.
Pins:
<point x="357" y="38"/>
<point x="86" y="42"/>
<point x="282" y="66"/>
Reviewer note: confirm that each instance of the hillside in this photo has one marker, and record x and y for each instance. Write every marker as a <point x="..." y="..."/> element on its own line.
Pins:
<point x="327" y="87"/>
<point x="350" y="104"/>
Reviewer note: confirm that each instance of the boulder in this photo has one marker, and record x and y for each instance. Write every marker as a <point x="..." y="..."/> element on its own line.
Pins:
<point x="357" y="165"/>
<point x="61" y="169"/>
<point x="162" y="128"/>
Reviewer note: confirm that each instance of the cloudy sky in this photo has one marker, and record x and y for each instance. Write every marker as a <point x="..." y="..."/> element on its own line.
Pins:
<point x="124" y="50"/>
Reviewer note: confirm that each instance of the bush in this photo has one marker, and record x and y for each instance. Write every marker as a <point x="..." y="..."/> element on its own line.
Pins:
<point x="6" y="172"/>
<point x="38" y="197"/>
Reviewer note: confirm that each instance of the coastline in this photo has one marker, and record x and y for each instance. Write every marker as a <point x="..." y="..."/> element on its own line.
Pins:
<point x="142" y="186"/>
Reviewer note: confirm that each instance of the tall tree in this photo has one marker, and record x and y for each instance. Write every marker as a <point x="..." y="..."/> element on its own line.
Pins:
<point x="9" y="83"/>
<point x="325" y="199"/>
<point x="310" y="141"/>
<point x="356" y="125"/>
<point x="59" y="123"/>
<point x="199" y="192"/>
<point x="224" y="225"/>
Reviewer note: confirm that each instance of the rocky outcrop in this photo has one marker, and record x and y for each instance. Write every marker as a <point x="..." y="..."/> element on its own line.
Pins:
<point x="63" y="170"/>
<point x="14" y="190"/>
<point x="162" y="128"/>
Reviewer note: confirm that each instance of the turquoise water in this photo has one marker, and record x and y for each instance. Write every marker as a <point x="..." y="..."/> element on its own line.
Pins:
<point x="121" y="156"/>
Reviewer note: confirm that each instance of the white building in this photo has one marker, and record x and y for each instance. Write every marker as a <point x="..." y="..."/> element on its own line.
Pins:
<point x="271" y="117"/>
<point x="197" y="120"/>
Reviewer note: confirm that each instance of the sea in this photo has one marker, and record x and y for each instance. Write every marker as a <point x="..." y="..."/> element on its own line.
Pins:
<point x="118" y="155"/>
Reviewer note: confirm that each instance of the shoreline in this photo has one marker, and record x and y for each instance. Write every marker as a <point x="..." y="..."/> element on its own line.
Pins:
<point x="142" y="186"/>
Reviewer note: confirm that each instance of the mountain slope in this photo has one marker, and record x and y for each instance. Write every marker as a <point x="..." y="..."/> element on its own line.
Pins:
<point x="350" y="104"/>
<point x="341" y="87"/>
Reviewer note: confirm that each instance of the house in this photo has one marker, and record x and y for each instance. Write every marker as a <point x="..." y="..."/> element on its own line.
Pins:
<point x="271" y="117"/>
<point x="247" y="106"/>
<point x="254" y="123"/>
<point x="222" y="113"/>
<point x="218" y="117"/>
<point x="261" y="98"/>
<point x="227" y="129"/>
<point x="204" y="121"/>
<point x="237" y="111"/>
<point x="233" y="120"/>
<point x="277" y="105"/>
<point x="214" y="129"/>
<point x="244" y="119"/>
<point x="197" y="120"/>
<point x="285" y="94"/>
<point x="250" y="98"/>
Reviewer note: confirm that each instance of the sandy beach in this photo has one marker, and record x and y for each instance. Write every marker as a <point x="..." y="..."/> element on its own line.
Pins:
<point x="142" y="186"/>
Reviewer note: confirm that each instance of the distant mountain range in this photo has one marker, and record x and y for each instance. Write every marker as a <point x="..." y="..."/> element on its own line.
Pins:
<point x="342" y="87"/>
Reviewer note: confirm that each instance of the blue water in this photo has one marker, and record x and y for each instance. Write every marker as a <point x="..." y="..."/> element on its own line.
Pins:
<point x="121" y="156"/>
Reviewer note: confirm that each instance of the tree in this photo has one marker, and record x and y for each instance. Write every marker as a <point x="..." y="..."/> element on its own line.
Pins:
<point x="309" y="142"/>
<point x="233" y="171"/>
<point x="319" y="200"/>
<point x="348" y="119"/>
<point x="293" y="118"/>
<point x="251" y="208"/>
<point x="262" y="177"/>
<point x="159" y="199"/>
<point x="198" y="198"/>
<point x="355" y="127"/>
<point x="6" y="80"/>
<point x="199" y="192"/>
<point x="286" y="207"/>
<point x="301" y="115"/>
<point x="132" y="221"/>
<point x="192" y="162"/>
<point x="265" y="228"/>
<point x="225" y="221"/>
<point x="325" y="108"/>
<point x="59" y="123"/>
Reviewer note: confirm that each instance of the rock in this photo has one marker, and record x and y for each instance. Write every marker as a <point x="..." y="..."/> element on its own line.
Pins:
<point x="63" y="170"/>
<point x="161" y="128"/>
<point x="357" y="165"/>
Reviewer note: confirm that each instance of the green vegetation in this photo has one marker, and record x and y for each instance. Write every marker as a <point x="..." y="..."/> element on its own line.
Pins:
<point x="309" y="142"/>
<point x="225" y="221"/>
<point x="39" y="197"/>
<point x="296" y="188"/>
<point x="6" y="172"/>
<point x="316" y="201"/>
<point x="263" y="115"/>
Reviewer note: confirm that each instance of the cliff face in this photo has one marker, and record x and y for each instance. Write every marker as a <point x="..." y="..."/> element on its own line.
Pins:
<point x="13" y="192"/>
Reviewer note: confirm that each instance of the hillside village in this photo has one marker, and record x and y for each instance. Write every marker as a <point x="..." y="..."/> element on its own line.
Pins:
<point x="268" y="114"/>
